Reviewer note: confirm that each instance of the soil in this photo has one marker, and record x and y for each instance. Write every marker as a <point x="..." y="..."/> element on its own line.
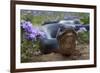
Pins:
<point x="82" y="53"/>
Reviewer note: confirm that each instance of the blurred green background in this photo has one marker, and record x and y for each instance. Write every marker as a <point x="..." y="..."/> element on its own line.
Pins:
<point x="39" y="17"/>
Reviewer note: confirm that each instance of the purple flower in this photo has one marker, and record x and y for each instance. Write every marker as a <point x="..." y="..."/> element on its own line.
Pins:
<point x="31" y="33"/>
<point x="27" y="26"/>
<point x="35" y="31"/>
<point x="42" y="34"/>
<point x="30" y="36"/>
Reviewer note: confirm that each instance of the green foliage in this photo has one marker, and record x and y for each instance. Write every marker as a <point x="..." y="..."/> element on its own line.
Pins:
<point x="28" y="48"/>
<point x="45" y="16"/>
<point x="27" y="17"/>
<point x="38" y="20"/>
<point x="85" y="20"/>
<point x="83" y="37"/>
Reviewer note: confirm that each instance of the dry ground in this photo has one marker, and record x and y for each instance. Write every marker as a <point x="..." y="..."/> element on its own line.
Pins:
<point x="83" y="55"/>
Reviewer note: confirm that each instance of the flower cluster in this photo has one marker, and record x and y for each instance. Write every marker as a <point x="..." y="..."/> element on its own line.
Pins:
<point x="31" y="33"/>
<point x="82" y="28"/>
